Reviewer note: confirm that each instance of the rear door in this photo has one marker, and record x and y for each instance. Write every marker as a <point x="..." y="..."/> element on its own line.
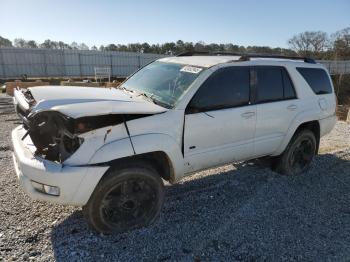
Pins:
<point x="277" y="106"/>
<point x="220" y="120"/>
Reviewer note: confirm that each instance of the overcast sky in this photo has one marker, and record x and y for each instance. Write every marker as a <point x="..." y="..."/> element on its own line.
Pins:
<point x="253" y="22"/>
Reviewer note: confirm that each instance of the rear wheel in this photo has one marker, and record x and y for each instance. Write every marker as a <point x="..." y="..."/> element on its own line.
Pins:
<point x="125" y="199"/>
<point x="298" y="155"/>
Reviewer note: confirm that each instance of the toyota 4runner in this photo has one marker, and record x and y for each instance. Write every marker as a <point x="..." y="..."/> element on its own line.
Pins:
<point x="109" y="150"/>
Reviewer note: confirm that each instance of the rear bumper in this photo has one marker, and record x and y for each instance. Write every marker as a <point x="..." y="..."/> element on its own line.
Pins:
<point x="76" y="184"/>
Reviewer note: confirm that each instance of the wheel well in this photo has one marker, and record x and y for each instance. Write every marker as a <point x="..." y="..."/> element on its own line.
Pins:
<point x="313" y="126"/>
<point x="158" y="160"/>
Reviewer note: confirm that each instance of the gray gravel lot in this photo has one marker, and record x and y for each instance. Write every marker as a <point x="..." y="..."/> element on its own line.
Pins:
<point x="239" y="212"/>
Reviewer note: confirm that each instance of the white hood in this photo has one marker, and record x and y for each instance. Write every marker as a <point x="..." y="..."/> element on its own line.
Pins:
<point x="87" y="101"/>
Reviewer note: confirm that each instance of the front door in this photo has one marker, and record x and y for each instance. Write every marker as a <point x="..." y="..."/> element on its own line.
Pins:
<point x="219" y="121"/>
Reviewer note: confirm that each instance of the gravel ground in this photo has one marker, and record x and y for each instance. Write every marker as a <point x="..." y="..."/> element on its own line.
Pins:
<point x="239" y="212"/>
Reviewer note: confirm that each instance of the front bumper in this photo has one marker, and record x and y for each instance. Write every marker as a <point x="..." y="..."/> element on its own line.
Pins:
<point x="76" y="183"/>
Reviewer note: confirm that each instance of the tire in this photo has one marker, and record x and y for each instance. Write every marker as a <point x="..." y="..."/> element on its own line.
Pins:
<point x="298" y="155"/>
<point x="125" y="199"/>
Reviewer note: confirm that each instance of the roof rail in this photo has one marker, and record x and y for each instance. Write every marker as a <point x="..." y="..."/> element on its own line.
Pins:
<point x="247" y="57"/>
<point x="193" y="53"/>
<point x="216" y="53"/>
<point x="226" y="53"/>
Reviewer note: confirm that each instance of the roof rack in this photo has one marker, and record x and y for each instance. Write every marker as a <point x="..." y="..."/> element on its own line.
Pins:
<point x="216" y="53"/>
<point x="246" y="57"/>
<point x="193" y="53"/>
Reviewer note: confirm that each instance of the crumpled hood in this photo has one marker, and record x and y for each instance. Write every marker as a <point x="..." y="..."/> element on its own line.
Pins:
<point x="87" y="101"/>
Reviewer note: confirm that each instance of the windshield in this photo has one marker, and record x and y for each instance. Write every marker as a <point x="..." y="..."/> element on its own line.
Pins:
<point x="164" y="83"/>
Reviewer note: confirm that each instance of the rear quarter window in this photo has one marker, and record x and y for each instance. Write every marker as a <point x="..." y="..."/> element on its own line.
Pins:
<point x="317" y="79"/>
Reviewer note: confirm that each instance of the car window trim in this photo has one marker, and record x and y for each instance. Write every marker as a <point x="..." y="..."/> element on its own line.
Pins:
<point x="252" y="89"/>
<point x="290" y="81"/>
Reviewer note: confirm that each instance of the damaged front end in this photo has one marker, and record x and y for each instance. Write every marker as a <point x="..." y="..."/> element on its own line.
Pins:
<point x="52" y="133"/>
<point x="55" y="135"/>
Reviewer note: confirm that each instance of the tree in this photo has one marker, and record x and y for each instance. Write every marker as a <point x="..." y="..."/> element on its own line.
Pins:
<point x="74" y="45"/>
<point x="228" y="47"/>
<point x="180" y="46"/>
<point x="135" y="47"/>
<point x="155" y="48"/>
<point x="200" y="46"/>
<point x="146" y="48"/>
<point x="63" y="45"/>
<point x="123" y="48"/>
<point x="189" y="46"/>
<point x="309" y="43"/>
<point x="111" y="47"/>
<point x="31" y="44"/>
<point x="169" y="48"/>
<point x="341" y="44"/>
<point x="5" y="42"/>
<point x="19" y="42"/>
<point x="83" y="46"/>
<point x="315" y="43"/>
<point x="50" y="44"/>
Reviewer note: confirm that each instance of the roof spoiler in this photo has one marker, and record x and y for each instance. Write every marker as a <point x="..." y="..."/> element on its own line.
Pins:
<point x="247" y="57"/>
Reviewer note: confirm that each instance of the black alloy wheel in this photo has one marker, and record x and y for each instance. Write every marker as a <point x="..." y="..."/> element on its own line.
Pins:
<point x="125" y="199"/>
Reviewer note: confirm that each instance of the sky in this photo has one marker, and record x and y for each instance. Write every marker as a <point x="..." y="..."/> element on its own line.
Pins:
<point x="252" y="22"/>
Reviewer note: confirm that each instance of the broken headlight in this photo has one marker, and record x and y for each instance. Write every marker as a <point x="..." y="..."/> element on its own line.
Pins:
<point x="53" y="135"/>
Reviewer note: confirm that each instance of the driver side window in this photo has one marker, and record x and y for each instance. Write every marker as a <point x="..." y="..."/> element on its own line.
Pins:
<point x="226" y="88"/>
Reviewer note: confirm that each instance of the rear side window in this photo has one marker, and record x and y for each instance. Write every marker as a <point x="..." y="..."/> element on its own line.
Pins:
<point x="272" y="83"/>
<point x="269" y="84"/>
<point x="317" y="79"/>
<point x="228" y="87"/>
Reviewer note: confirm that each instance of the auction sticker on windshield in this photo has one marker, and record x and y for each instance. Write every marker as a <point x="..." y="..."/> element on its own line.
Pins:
<point x="191" y="69"/>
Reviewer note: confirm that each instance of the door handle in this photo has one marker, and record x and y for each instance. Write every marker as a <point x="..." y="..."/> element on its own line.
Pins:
<point x="248" y="114"/>
<point x="292" y="107"/>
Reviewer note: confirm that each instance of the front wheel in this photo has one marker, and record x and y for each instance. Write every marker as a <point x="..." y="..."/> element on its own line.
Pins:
<point x="298" y="155"/>
<point x="125" y="199"/>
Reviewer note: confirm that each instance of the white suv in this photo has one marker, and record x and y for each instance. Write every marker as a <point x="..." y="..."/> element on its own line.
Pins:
<point x="109" y="150"/>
